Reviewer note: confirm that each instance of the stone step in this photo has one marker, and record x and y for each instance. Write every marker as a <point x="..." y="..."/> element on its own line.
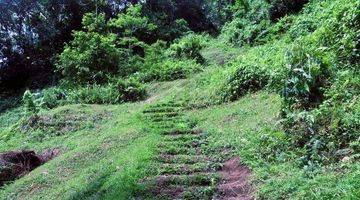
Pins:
<point x="178" y="150"/>
<point x="178" y="169"/>
<point x="183" y="158"/>
<point x="180" y="193"/>
<point x="196" y="179"/>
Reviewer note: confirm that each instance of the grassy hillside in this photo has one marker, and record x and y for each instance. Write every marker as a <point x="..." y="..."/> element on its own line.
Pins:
<point x="281" y="95"/>
<point x="104" y="159"/>
<point x="250" y="127"/>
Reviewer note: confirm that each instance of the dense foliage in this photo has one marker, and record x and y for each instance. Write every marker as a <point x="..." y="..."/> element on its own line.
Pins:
<point x="314" y="58"/>
<point x="309" y="59"/>
<point x="34" y="32"/>
<point x="280" y="8"/>
<point x="104" y="50"/>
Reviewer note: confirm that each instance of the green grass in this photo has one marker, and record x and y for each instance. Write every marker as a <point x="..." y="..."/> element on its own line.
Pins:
<point x="112" y="148"/>
<point x="250" y="127"/>
<point x="105" y="159"/>
<point x="104" y="162"/>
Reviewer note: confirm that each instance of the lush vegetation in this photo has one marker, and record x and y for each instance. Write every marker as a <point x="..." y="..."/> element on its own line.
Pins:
<point x="276" y="82"/>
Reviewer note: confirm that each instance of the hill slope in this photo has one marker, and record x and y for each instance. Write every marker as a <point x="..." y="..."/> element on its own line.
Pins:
<point x="107" y="159"/>
<point x="280" y="114"/>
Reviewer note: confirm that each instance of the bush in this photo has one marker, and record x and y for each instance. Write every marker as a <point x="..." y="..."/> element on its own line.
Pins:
<point x="337" y="120"/>
<point x="179" y="69"/>
<point x="30" y="103"/>
<point x="91" y="58"/>
<point x="53" y="97"/>
<point x="329" y="132"/>
<point x="323" y="61"/>
<point x="242" y="32"/>
<point x="115" y="92"/>
<point x="335" y="27"/>
<point x="131" y="90"/>
<point x="280" y="8"/>
<point x="161" y="65"/>
<point x="95" y="94"/>
<point x="255" y="69"/>
<point x="320" y="108"/>
<point x="245" y="79"/>
<point x="112" y="93"/>
<point x="105" y="49"/>
<point x="188" y="47"/>
<point x="169" y="70"/>
<point x="131" y="23"/>
<point x="307" y="75"/>
<point x="249" y="25"/>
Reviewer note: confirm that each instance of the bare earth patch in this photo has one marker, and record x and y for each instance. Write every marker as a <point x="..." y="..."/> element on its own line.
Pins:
<point x="235" y="183"/>
<point x="15" y="164"/>
<point x="186" y="169"/>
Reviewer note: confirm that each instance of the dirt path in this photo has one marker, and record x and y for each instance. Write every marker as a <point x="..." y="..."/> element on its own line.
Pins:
<point x="235" y="184"/>
<point x="185" y="170"/>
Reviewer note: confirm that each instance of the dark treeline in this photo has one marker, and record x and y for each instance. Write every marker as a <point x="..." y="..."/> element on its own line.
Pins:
<point x="33" y="33"/>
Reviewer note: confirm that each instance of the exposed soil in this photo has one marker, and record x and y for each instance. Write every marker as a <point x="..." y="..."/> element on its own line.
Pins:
<point x="63" y="122"/>
<point x="235" y="184"/>
<point x="16" y="164"/>
<point x="185" y="170"/>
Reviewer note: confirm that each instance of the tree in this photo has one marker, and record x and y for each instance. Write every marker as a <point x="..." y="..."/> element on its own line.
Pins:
<point x="34" y="32"/>
<point x="105" y="49"/>
<point x="92" y="56"/>
<point x="131" y="23"/>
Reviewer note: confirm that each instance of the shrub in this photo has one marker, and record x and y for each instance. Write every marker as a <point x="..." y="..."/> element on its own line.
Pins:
<point x="112" y="93"/>
<point x="188" y="47"/>
<point x="249" y="25"/>
<point x="105" y="49"/>
<point x="169" y="70"/>
<point x="154" y="56"/>
<point x="115" y="92"/>
<point x="163" y="66"/>
<point x="280" y="8"/>
<point x="91" y="58"/>
<point x="242" y="32"/>
<point x="335" y="27"/>
<point x="131" y="23"/>
<point x="256" y="68"/>
<point x="307" y="75"/>
<point x="131" y="90"/>
<point x="337" y="120"/>
<point x="94" y="94"/>
<point x="53" y="97"/>
<point x="246" y="79"/>
<point x="178" y="69"/>
<point x="321" y="92"/>
<point x="30" y="103"/>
